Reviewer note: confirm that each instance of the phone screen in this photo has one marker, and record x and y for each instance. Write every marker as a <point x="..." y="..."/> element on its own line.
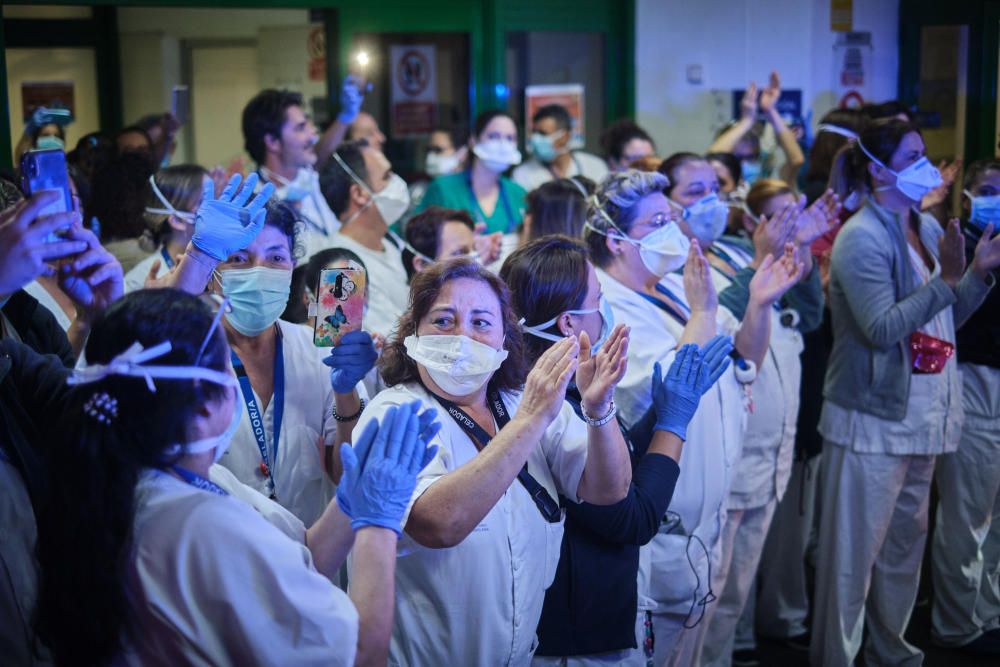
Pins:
<point x="180" y="103"/>
<point x="340" y="304"/>
<point x="44" y="171"/>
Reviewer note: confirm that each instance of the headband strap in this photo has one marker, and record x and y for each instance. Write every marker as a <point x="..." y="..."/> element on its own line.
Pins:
<point x="168" y="208"/>
<point x="131" y="363"/>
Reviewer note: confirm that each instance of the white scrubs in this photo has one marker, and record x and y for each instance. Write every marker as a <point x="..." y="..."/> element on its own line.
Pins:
<point x="876" y="478"/>
<point x="966" y="545"/>
<point x="301" y="484"/>
<point x="18" y="572"/>
<point x="674" y="569"/>
<point x="136" y="278"/>
<point x="388" y="291"/>
<point x="319" y="223"/>
<point x="534" y="173"/>
<point x="760" y="479"/>
<point x="479" y="603"/>
<point x="212" y="582"/>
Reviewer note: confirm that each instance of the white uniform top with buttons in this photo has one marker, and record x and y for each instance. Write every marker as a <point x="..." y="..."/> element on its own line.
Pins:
<point x="769" y="443"/>
<point x="212" y="581"/>
<point x="934" y="415"/>
<point x="301" y="485"/>
<point x="479" y="603"/>
<point x="388" y="291"/>
<point x="667" y="580"/>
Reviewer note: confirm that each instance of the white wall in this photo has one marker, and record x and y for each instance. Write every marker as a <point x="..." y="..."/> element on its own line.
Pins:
<point x="736" y="41"/>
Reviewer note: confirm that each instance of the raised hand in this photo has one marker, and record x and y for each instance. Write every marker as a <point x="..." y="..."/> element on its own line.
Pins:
<point x="773" y="278"/>
<point x="545" y="388"/>
<point x="230" y="223"/>
<point x="487" y="245"/>
<point x="698" y="286"/>
<point x="351" y="97"/>
<point x="771" y="235"/>
<point x="987" y="254"/>
<point x="598" y="375"/>
<point x="769" y="96"/>
<point x="351" y="360"/>
<point x="821" y="217"/>
<point x="948" y="174"/>
<point x="93" y="279"/>
<point x="25" y="245"/>
<point x="715" y="356"/>
<point x="951" y="253"/>
<point x="380" y="471"/>
<point x="748" y="104"/>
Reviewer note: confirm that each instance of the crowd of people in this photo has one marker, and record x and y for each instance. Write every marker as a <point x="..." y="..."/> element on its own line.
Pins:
<point x="631" y="409"/>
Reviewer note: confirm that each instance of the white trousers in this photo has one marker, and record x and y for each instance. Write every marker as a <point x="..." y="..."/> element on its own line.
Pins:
<point x="635" y="657"/>
<point x="966" y="544"/>
<point x="742" y="544"/>
<point x="871" y="543"/>
<point x="782" y="592"/>
<point x="676" y="645"/>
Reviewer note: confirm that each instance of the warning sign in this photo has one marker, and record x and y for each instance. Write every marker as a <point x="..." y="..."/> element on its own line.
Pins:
<point x="413" y="98"/>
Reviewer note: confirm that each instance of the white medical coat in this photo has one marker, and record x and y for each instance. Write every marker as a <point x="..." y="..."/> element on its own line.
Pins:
<point x="667" y="581"/>
<point x="388" y="291"/>
<point x="135" y="279"/>
<point x="769" y="443"/>
<point x="301" y="485"/>
<point x="319" y="223"/>
<point x="479" y="603"/>
<point x="212" y="582"/>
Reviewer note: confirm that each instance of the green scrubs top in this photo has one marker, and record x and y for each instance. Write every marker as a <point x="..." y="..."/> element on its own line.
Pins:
<point x="455" y="191"/>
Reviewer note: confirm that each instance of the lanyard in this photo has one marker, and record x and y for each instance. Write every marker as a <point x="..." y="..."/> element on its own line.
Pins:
<point x="480" y="438"/>
<point x="198" y="481"/>
<point x="167" y="259"/>
<point x="257" y="417"/>
<point x="725" y="257"/>
<point x="665" y="307"/>
<point x="477" y="209"/>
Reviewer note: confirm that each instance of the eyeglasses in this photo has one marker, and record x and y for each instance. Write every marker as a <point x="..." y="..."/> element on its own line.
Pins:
<point x="660" y="220"/>
<point x="221" y="306"/>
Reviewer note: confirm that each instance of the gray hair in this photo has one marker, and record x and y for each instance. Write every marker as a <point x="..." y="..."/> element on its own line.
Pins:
<point x="615" y="201"/>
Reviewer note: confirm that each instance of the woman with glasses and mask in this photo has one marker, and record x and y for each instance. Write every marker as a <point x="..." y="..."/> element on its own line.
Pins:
<point x="294" y="404"/>
<point x="898" y="289"/>
<point x="590" y="612"/>
<point x="637" y="246"/>
<point x="481" y="189"/>
<point x="483" y="528"/>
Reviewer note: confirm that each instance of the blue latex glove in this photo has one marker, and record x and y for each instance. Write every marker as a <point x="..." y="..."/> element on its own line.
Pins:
<point x="230" y="223"/>
<point x="380" y="470"/>
<point x="43" y="116"/>
<point x="351" y="98"/>
<point x="676" y="396"/>
<point x="350" y="361"/>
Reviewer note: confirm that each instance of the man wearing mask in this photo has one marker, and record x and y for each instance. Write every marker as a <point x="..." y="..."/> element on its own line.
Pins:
<point x="551" y="132"/>
<point x="359" y="185"/>
<point x="283" y="141"/>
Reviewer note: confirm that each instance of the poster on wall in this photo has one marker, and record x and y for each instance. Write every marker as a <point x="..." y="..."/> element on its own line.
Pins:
<point x="316" y="48"/>
<point x="413" y="94"/>
<point x="566" y="95"/>
<point x="51" y="94"/>
<point x="852" y="62"/>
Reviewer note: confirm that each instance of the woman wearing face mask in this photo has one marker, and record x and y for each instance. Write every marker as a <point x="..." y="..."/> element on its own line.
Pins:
<point x="898" y="288"/>
<point x="589" y="611"/>
<point x="483" y="528"/>
<point x="174" y="196"/>
<point x="163" y="541"/>
<point x="967" y="533"/>
<point x="489" y="197"/>
<point x="284" y="389"/>
<point x="636" y="244"/>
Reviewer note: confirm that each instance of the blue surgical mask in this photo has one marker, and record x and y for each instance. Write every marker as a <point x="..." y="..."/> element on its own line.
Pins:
<point x="50" y="142"/>
<point x="543" y="146"/>
<point x="258" y="296"/>
<point x="751" y="170"/>
<point x="607" y="326"/>
<point x="985" y="210"/>
<point x="707" y="218"/>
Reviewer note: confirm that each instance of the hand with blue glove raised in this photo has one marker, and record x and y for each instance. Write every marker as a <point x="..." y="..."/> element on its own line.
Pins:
<point x="351" y="97"/>
<point x="380" y="470"/>
<point x="351" y="360"/>
<point x="676" y="396"/>
<point x="230" y="223"/>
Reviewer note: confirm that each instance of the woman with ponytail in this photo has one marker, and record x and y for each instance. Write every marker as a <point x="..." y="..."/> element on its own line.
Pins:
<point x="898" y="289"/>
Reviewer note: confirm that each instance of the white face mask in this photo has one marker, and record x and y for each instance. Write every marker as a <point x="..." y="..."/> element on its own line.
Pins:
<point x="391" y="202"/>
<point x="438" y="164"/>
<point x="497" y="154"/>
<point x="459" y="365"/>
<point x="219" y="443"/>
<point x="662" y="251"/>
<point x="915" y="181"/>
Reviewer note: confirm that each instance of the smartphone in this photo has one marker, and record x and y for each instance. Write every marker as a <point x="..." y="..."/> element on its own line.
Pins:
<point x="340" y="305"/>
<point x="180" y="103"/>
<point x="45" y="170"/>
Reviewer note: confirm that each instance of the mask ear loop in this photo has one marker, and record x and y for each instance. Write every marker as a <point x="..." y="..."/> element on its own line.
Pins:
<point x="168" y="208"/>
<point x="350" y="172"/>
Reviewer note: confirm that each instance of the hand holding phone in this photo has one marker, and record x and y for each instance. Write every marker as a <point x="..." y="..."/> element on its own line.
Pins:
<point x="340" y="305"/>
<point x="45" y="171"/>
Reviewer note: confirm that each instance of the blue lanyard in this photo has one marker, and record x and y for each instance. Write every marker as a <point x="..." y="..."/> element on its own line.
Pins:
<point x="167" y="259"/>
<point x="682" y="318"/>
<point x="257" y="416"/>
<point x="476" y="208"/>
<point x="198" y="481"/>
